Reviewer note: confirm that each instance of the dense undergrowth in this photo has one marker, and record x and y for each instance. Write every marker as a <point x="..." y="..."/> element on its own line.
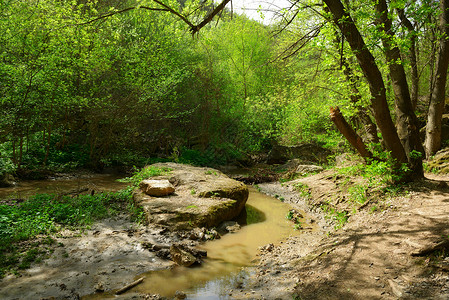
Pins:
<point x="26" y="228"/>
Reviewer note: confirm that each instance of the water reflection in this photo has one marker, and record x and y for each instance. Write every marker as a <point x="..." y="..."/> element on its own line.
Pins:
<point x="98" y="182"/>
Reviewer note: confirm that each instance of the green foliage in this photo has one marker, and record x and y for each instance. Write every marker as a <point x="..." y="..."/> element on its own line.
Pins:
<point x="339" y="217"/>
<point x="358" y="193"/>
<point x="145" y="173"/>
<point x="6" y="164"/>
<point x="45" y="214"/>
<point x="303" y="189"/>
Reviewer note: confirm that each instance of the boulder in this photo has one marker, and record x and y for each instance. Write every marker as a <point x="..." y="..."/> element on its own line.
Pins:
<point x="310" y="153"/>
<point x="305" y="169"/>
<point x="204" y="197"/>
<point x="440" y="161"/>
<point x="157" y="188"/>
<point x="7" y="180"/>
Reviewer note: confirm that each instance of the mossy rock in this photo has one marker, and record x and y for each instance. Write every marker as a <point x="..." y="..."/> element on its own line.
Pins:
<point x="440" y="162"/>
<point x="204" y="197"/>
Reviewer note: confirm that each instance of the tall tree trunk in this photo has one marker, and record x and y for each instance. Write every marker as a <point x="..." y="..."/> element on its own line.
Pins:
<point x="372" y="73"/>
<point x="406" y="121"/>
<point x="436" y="106"/>
<point x="413" y="58"/>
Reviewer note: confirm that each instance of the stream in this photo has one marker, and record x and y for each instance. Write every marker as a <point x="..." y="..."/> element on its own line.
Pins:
<point x="224" y="268"/>
<point x="229" y="259"/>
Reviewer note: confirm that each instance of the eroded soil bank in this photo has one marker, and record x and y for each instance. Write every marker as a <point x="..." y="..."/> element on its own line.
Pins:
<point x="371" y="257"/>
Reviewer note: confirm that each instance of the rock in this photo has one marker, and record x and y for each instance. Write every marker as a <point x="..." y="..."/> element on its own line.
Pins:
<point x="99" y="287"/>
<point x="157" y="188"/>
<point x="228" y="226"/>
<point x="196" y="234"/>
<point x="204" y="197"/>
<point x="181" y="257"/>
<point x="440" y="162"/>
<point x="306" y="153"/>
<point x="185" y="256"/>
<point x="292" y="164"/>
<point x="7" y="180"/>
<point x="305" y="169"/>
<point x="180" y="295"/>
<point x="267" y="248"/>
<point x="212" y="235"/>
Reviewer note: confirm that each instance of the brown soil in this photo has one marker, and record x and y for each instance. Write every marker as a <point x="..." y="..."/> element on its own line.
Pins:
<point x="106" y="257"/>
<point x="369" y="258"/>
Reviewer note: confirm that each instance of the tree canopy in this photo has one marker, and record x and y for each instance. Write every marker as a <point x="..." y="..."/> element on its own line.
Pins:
<point x="100" y="83"/>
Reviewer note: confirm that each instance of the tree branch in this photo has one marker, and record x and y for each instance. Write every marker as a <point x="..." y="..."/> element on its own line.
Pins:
<point x="171" y="10"/>
<point x="195" y="28"/>
<point x="122" y="11"/>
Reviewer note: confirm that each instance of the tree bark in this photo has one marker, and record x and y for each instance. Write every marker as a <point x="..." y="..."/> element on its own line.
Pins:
<point x="436" y="106"/>
<point x="374" y="77"/>
<point x="413" y="59"/>
<point x="406" y="121"/>
<point x="353" y="138"/>
<point x="355" y="97"/>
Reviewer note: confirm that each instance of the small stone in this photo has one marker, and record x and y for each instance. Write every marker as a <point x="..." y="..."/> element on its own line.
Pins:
<point x="157" y="188"/>
<point x="180" y="295"/>
<point x="181" y="257"/>
<point x="99" y="288"/>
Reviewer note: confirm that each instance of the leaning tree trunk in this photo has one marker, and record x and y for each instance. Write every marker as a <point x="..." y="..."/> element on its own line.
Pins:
<point x="436" y="106"/>
<point x="374" y="77"/>
<point x="406" y="121"/>
<point x="355" y="96"/>
<point x="353" y="138"/>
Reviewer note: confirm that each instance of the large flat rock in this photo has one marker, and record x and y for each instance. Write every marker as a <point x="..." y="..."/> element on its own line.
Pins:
<point x="203" y="197"/>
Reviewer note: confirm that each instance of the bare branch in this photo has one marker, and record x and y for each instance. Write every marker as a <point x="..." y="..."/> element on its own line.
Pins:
<point x="171" y="10"/>
<point x="122" y="11"/>
<point x="195" y="28"/>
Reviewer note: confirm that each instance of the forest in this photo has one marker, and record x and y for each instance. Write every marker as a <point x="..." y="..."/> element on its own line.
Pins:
<point x="95" y="84"/>
<point x="182" y="91"/>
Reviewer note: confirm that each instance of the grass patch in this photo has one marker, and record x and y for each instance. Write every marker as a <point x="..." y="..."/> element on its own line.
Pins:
<point x="145" y="173"/>
<point x="339" y="217"/>
<point x="42" y="215"/>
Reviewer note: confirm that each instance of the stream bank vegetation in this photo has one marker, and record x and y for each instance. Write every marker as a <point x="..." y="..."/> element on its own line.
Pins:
<point x="27" y="226"/>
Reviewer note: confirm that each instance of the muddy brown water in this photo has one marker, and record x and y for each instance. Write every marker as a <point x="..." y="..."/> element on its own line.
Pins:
<point x="63" y="184"/>
<point x="226" y="266"/>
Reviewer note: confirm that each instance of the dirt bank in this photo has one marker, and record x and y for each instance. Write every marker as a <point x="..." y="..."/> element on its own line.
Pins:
<point x="106" y="257"/>
<point x="369" y="258"/>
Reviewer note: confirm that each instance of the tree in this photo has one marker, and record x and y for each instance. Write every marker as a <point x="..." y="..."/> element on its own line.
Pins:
<point x="436" y="107"/>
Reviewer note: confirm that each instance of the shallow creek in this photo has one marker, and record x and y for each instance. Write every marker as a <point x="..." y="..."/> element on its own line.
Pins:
<point x="228" y="259"/>
<point x="224" y="269"/>
<point x="98" y="182"/>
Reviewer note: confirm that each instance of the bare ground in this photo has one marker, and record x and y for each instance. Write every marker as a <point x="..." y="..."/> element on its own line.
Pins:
<point x="370" y="257"/>
<point x="106" y="257"/>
